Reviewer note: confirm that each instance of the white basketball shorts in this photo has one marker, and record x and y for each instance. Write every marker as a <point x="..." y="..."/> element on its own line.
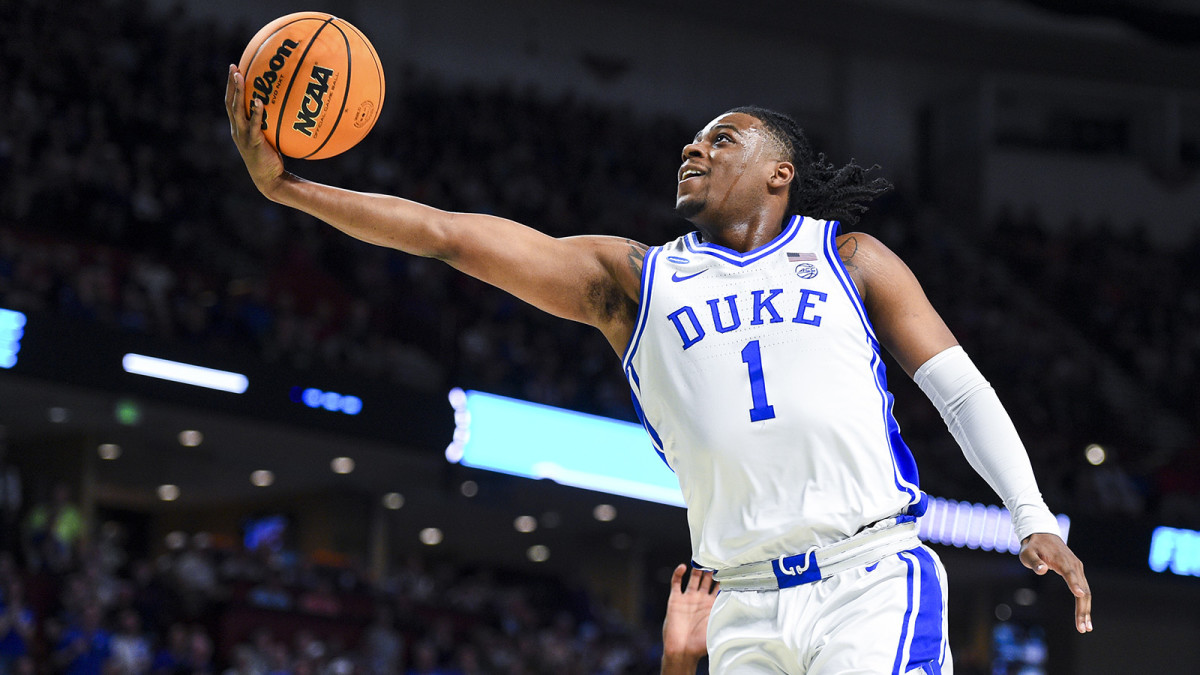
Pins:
<point x="888" y="617"/>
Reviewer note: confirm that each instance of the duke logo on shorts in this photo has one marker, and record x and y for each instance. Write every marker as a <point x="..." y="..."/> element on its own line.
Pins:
<point x="759" y="379"/>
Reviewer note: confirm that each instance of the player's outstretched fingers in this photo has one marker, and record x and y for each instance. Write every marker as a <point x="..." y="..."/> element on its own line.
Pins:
<point x="255" y="122"/>
<point x="233" y="94"/>
<point x="230" y="87"/>
<point x="262" y="161"/>
<point x="1043" y="552"/>
<point x="677" y="577"/>
<point x="1083" y="604"/>
<point x="1071" y="570"/>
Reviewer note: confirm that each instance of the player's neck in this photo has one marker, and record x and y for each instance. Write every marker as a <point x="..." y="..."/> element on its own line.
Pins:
<point x="742" y="236"/>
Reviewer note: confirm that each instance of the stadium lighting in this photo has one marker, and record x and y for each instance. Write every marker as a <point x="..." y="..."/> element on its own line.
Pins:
<point x="604" y="513"/>
<point x="190" y="438"/>
<point x="503" y="434"/>
<point x="12" y="328"/>
<point x="185" y="373"/>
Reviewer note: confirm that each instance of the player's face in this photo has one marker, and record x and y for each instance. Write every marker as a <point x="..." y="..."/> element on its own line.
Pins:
<point x="725" y="170"/>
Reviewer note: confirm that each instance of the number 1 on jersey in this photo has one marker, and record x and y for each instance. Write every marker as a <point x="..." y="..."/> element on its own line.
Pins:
<point x="752" y="357"/>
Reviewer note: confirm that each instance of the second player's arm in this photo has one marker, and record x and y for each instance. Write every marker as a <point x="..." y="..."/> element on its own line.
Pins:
<point x="589" y="279"/>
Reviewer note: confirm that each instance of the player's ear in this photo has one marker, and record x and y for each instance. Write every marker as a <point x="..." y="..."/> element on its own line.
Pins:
<point x="782" y="175"/>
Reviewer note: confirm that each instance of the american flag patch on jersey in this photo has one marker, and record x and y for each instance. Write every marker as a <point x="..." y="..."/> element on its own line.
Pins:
<point x="799" y="257"/>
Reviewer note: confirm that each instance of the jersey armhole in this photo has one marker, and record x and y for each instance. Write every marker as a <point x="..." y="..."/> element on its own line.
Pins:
<point x="847" y="282"/>
<point x="649" y="264"/>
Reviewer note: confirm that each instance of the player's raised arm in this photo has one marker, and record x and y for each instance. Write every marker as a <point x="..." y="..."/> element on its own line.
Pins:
<point x="909" y="327"/>
<point x="590" y="279"/>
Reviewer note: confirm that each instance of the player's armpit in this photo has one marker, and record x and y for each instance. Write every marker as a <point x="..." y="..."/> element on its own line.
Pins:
<point x="905" y="322"/>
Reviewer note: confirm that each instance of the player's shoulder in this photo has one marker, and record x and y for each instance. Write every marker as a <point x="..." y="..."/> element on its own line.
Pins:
<point x="870" y="262"/>
<point x="859" y="248"/>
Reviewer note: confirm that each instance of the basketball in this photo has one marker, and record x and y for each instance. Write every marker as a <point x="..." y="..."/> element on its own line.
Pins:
<point x="320" y="83"/>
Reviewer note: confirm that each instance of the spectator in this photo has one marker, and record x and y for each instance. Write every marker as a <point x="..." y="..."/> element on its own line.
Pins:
<point x="196" y="576"/>
<point x="151" y="597"/>
<point x="85" y="647"/>
<point x="384" y="647"/>
<point x="200" y="652"/>
<point x="132" y="653"/>
<point x="174" y="657"/>
<point x="53" y="530"/>
<point x="10" y="488"/>
<point x="17" y="626"/>
<point x="425" y="661"/>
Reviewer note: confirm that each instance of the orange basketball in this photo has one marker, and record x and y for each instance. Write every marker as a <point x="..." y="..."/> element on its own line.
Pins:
<point x="320" y="82"/>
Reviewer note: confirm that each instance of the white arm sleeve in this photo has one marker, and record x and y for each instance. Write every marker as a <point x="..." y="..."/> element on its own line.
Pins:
<point x="977" y="420"/>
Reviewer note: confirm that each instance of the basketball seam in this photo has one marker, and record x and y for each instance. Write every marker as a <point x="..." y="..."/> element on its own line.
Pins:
<point x="288" y="92"/>
<point x="345" y="91"/>
<point x="267" y="39"/>
<point x="378" y="72"/>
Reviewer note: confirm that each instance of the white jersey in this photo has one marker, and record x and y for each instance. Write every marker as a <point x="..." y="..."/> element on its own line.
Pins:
<point x="759" y="379"/>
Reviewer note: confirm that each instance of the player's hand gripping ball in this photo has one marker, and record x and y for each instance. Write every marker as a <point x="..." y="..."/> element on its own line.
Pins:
<point x="320" y="83"/>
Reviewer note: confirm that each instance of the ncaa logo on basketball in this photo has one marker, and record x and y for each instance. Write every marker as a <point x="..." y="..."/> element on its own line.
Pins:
<point x="314" y="100"/>
<point x="806" y="270"/>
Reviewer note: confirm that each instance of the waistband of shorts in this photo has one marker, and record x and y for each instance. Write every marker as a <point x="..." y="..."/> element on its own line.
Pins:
<point x="874" y="543"/>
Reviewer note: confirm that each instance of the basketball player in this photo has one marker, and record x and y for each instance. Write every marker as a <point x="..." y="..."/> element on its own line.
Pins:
<point x="752" y="346"/>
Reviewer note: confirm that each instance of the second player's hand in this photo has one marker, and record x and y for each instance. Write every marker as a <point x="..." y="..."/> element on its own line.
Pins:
<point x="262" y="161"/>
<point x="1044" y="552"/>
<point x="686" y="626"/>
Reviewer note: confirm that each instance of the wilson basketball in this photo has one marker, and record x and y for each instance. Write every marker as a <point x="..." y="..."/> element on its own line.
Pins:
<point x="320" y="82"/>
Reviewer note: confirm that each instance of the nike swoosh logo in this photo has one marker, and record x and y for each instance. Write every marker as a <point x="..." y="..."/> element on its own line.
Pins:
<point x="676" y="277"/>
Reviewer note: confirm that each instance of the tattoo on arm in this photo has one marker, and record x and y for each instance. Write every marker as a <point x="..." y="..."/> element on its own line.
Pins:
<point x="635" y="256"/>
<point x="846" y="251"/>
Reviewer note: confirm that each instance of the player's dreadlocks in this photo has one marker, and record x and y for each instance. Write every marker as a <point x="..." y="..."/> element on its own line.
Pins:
<point x="819" y="190"/>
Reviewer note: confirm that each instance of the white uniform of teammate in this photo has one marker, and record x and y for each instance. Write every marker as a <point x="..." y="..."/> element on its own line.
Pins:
<point x="760" y="381"/>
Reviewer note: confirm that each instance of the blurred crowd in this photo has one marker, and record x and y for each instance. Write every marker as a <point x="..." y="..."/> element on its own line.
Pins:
<point x="1138" y="301"/>
<point x="210" y="605"/>
<point x="1138" y="304"/>
<point x="125" y="203"/>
